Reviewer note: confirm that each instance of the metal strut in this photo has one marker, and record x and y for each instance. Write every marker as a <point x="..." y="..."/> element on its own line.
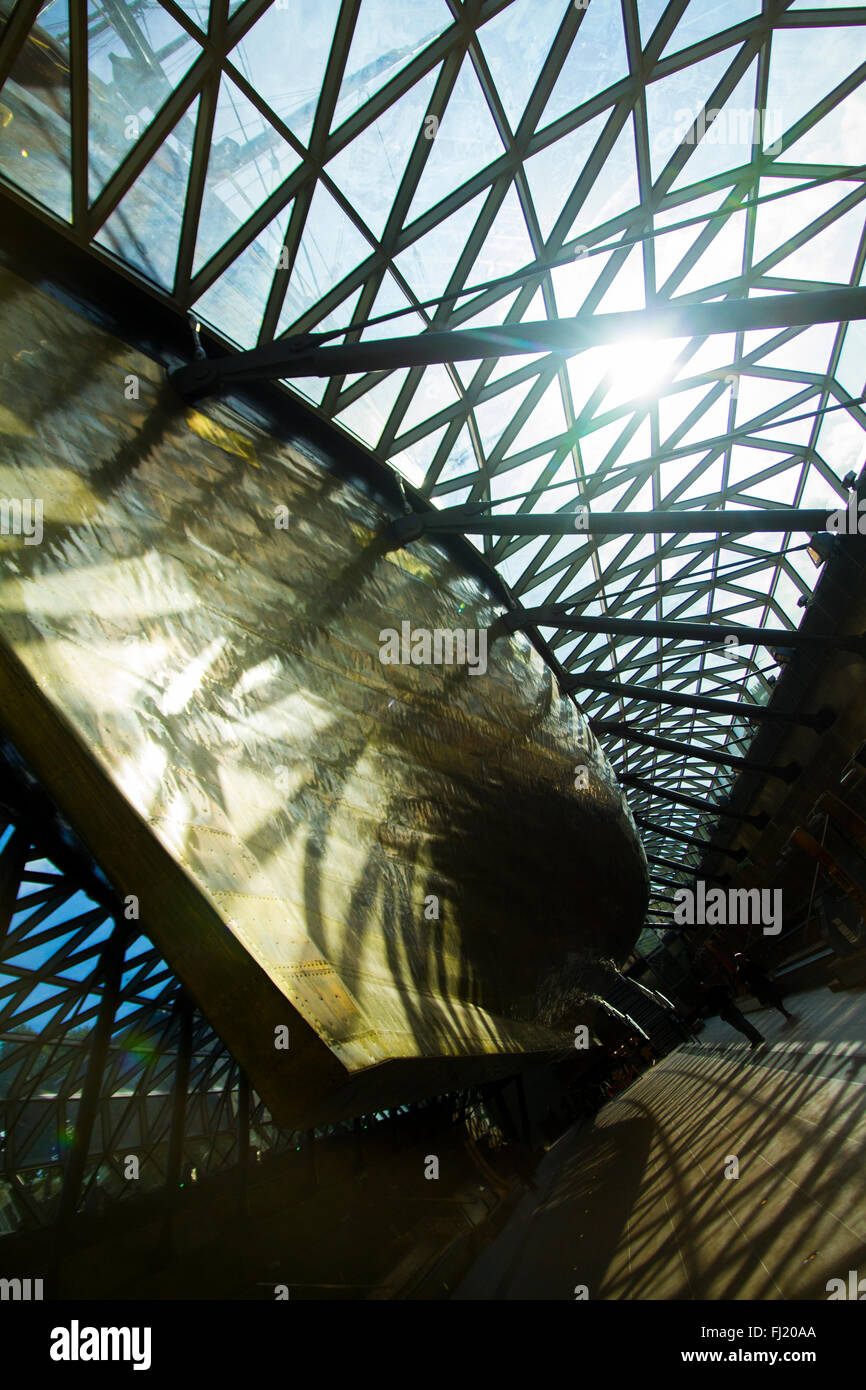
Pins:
<point x="681" y="799"/>
<point x="310" y="355"/>
<point x="788" y="773"/>
<point x="557" y="615"/>
<point x="468" y="520"/>
<point x="819" y="722"/>
<point x="666" y="832"/>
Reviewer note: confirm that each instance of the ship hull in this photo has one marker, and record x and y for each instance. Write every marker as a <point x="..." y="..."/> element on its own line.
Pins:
<point x="407" y="865"/>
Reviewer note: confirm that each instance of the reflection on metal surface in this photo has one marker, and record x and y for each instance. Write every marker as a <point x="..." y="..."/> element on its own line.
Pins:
<point x="190" y="661"/>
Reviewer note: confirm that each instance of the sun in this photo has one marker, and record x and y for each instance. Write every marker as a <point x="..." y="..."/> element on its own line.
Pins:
<point x="639" y="367"/>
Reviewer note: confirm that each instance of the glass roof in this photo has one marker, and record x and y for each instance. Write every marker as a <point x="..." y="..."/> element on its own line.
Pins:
<point x="312" y="165"/>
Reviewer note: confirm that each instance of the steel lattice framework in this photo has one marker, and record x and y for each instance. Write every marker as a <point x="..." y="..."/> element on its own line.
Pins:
<point x="311" y="165"/>
<point x="103" y="1057"/>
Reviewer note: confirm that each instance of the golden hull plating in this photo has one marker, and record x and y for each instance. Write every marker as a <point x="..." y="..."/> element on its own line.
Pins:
<point x="391" y="860"/>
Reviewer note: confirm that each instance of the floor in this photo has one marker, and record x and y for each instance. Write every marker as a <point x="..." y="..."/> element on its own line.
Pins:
<point x="637" y="1205"/>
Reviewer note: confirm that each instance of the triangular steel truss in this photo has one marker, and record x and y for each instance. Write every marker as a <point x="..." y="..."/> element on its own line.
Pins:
<point x="311" y="165"/>
<point x="91" y="1056"/>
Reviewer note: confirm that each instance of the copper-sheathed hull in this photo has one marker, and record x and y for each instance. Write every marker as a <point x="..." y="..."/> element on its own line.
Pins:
<point x="409" y="865"/>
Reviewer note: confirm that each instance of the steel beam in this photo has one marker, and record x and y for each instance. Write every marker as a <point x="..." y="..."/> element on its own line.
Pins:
<point x="681" y="799"/>
<point x="111" y="969"/>
<point x="180" y="1089"/>
<point x="682" y="868"/>
<point x="309" y="355"/>
<point x="557" y="615"/>
<point x="789" y="773"/>
<point x="13" y="861"/>
<point x="16" y="33"/>
<point x="469" y="520"/>
<point x="647" y="824"/>
<point x="79" y="89"/>
<point x="668" y="882"/>
<point x="242" y="1134"/>
<point x="737" y="709"/>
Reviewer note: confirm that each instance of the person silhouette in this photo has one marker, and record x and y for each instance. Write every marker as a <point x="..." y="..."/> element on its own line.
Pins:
<point x="718" y="999"/>
<point x="761" y="985"/>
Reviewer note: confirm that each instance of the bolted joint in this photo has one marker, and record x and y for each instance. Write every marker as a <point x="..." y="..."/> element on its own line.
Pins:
<point x="506" y="624"/>
<point x="196" y="379"/>
<point x="401" y="531"/>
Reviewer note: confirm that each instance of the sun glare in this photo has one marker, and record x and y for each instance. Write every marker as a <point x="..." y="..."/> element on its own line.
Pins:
<point x="639" y="368"/>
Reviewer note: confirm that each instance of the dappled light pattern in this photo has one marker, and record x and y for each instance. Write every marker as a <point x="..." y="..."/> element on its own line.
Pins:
<point x="637" y="1205"/>
<point x="403" y="853"/>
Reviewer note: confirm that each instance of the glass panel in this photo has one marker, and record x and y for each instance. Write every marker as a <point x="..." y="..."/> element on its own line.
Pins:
<point x="776" y="221"/>
<point x="144" y="228"/>
<point x="248" y="160"/>
<point x="330" y="247"/>
<point x="415" y="461"/>
<point x="434" y="392"/>
<point x="465" y="141"/>
<point x="492" y="415"/>
<point x="515" y="45"/>
<point x="649" y="14"/>
<point x="727" y="142"/>
<point x="284" y="57"/>
<point x="428" y="263"/>
<point x="196" y="10"/>
<point x="136" y="57"/>
<point x="461" y="461"/>
<point x="806" y="64"/>
<point x="674" y="103"/>
<point x="381" y="48"/>
<point x="389" y="300"/>
<point x="627" y="292"/>
<point x="700" y="21"/>
<point x="573" y="283"/>
<point x="341" y="317"/>
<point x="840" y="443"/>
<point x="34" y="114"/>
<point x="851" y="371"/>
<point x="616" y="187"/>
<point x="829" y="255"/>
<point x="367" y="416"/>
<point x="596" y="60"/>
<point x="506" y="247"/>
<point x="235" y="303"/>
<point x="546" y="421"/>
<point x="723" y="258"/>
<point x="553" y="172"/>
<point x="369" y="170"/>
<point x="832" y="137"/>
